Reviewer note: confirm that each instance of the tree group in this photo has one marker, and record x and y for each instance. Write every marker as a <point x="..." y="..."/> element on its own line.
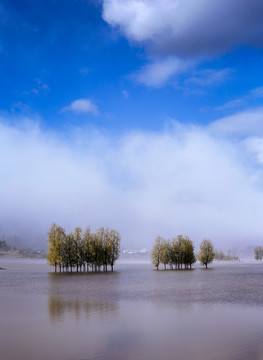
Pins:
<point x="179" y="252"/>
<point x="175" y="253"/>
<point x="82" y="250"/>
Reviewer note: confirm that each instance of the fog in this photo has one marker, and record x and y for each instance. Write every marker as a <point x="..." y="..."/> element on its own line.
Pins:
<point x="198" y="181"/>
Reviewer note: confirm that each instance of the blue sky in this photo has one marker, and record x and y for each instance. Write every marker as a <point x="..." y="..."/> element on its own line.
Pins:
<point x="133" y="98"/>
<point x="54" y="53"/>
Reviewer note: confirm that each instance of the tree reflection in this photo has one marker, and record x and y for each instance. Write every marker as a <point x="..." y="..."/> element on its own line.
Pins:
<point x="58" y="308"/>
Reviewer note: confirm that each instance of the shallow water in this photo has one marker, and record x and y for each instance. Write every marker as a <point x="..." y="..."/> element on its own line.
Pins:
<point x="133" y="313"/>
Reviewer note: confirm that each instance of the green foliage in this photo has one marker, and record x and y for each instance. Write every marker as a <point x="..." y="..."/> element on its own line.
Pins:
<point x="176" y="252"/>
<point x="206" y="252"/>
<point x="56" y="239"/>
<point x="83" y="251"/>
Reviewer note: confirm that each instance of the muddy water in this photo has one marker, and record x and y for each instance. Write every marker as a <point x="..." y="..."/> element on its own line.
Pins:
<point x="133" y="313"/>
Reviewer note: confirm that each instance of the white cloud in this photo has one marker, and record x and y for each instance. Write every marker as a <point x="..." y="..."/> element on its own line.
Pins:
<point x="208" y="77"/>
<point x="140" y="20"/>
<point x="159" y="72"/>
<point x="82" y="106"/>
<point x="244" y="123"/>
<point x="254" y="94"/>
<point x="186" y="180"/>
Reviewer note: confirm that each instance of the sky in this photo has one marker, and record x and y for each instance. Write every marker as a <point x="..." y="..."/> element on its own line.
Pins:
<point x="141" y="115"/>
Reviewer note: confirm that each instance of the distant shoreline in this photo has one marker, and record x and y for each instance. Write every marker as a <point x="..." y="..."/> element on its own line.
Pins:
<point x="21" y="254"/>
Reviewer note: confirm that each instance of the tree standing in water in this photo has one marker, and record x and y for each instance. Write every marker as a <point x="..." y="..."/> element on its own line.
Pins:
<point x="113" y="247"/>
<point x="206" y="254"/>
<point x="258" y="252"/>
<point x="56" y="239"/>
<point x="157" y="251"/>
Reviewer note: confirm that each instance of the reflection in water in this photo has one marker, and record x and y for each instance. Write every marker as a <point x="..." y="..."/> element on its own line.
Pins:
<point x="58" y="307"/>
<point x="133" y="314"/>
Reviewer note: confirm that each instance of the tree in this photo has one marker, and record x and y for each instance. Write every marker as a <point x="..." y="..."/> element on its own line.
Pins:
<point x="258" y="251"/>
<point x="103" y="237"/>
<point x="56" y="238"/>
<point x="87" y="238"/>
<point x="179" y="249"/>
<point x="165" y="254"/>
<point x="4" y="246"/>
<point x="113" y="247"/>
<point x="70" y="252"/>
<point x="78" y="248"/>
<point x="206" y="254"/>
<point x="188" y="253"/>
<point x="157" y="251"/>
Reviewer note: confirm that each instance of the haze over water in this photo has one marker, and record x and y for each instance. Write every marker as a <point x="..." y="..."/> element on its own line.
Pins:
<point x="132" y="313"/>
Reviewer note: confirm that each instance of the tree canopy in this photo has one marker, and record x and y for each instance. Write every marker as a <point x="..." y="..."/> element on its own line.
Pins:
<point x="206" y="253"/>
<point x="174" y="253"/>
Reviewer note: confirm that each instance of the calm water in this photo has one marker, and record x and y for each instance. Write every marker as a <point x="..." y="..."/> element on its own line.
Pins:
<point x="133" y="313"/>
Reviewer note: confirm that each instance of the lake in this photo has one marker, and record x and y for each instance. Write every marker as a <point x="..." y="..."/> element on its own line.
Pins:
<point x="133" y="313"/>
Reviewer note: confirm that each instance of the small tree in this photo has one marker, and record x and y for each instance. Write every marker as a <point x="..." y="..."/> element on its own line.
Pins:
<point x="258" y="251"/>
<point x="206" y="254"/>
<point x="71" y="255"/>
<point x="56" y="239"/>
<point x="113" y="247"/>
<point x="188" y="251"/>
<point x="157" y="252"/>
<point x="179" y="249"/>
<point x="165" y="254"/>
<point x="87" y="238"/>
<point x="77" y="243"/>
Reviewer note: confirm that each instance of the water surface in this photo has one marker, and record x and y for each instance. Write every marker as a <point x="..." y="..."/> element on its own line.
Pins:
<point x="132" y="313"/>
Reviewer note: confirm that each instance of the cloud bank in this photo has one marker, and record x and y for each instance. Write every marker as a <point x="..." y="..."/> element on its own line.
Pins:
<point x="190" y="180"/>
